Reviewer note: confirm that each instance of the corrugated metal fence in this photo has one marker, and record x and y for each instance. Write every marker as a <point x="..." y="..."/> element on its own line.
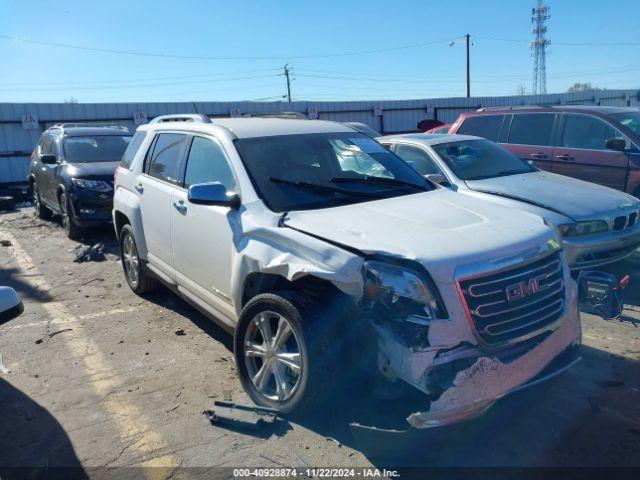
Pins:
<point x="389" y="116"/>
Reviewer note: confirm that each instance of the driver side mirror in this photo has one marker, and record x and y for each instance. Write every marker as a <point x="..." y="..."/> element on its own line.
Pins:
<point x="619" y="144"/>
<point x="10" y="304"/>
<point x="213" y="194"/>
<point x="48" y="159"/>
<point x="435" y="177"/>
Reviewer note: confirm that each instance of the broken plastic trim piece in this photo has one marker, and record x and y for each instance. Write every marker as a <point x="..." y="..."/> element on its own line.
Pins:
<point x="234" y="415"/>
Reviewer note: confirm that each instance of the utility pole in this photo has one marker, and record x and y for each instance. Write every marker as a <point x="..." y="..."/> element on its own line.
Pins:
<point x="467" y="36"/>
<point x="539" y="16"/>
<point x="286" y="74"/>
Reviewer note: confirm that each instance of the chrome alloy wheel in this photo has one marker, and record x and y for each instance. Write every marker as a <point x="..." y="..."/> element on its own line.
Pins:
<point x="130" y="260"/>
<point x="272" y="356"/>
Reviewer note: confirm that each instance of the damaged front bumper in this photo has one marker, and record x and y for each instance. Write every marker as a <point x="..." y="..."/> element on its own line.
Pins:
<point x="463" y="381"/>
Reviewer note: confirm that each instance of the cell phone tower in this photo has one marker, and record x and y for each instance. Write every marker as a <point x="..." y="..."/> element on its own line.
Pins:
<point x="539" y="16"/>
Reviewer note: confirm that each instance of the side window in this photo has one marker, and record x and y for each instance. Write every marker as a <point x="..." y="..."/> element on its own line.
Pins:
<point x="46" y="145"/>
<point x="584" y="131"/>
<point x="207" y="163"/>
<point x="132" y="148"/>
<point x="167" y="154"/>
<point x="417" y="158"/>
<point x="532" y="129"/>
<point x="485" y="126"/>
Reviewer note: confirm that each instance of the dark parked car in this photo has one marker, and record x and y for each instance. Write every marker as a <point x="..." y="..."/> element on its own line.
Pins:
<point x="71" y="173"/>
<point x="596" y="144"/>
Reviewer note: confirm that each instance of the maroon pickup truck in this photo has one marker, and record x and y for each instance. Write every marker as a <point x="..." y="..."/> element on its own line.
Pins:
<point x="596" y="144"/>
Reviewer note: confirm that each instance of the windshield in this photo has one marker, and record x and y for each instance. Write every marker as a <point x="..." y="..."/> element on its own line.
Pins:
<point x="478" y="159"/>
<point x="631" y="120"/>
<point x="319" y="170"/>
<point x="98" y="148"/>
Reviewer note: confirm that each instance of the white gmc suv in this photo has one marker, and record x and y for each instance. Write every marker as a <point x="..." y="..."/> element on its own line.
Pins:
<point x="321" y="250"/>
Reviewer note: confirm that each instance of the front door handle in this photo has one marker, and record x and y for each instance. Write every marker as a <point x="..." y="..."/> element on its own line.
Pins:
<point x="539" y="155"/>
<point x="180" y="206"/>
<point x="565" y="156"/>
<point x="139" y="188"/>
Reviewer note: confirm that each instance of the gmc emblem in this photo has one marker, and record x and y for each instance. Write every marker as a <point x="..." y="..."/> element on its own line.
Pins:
<point x="524" y="289"/>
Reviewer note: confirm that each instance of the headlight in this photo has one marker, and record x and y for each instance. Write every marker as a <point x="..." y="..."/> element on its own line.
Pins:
<point x="585" y="228"/>
<point x="402" y="291"/>
<point x="97" y="185"/>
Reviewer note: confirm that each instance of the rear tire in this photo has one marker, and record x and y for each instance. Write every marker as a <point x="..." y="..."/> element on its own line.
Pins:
<point x="41" y="211"/>
<point x="283" y="352"/>
<point x="134" y="269"/>
<point x="68" y="223"/>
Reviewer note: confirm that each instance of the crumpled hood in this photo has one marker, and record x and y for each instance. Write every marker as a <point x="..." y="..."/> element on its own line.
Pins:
<point x="100" y="170"/>
<point x="575" y="198"/>
<point x="441" y="229"/>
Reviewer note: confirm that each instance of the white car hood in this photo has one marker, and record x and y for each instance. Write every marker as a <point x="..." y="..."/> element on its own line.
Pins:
<point x="574" y="198"/>
<point x="441" y="229"/>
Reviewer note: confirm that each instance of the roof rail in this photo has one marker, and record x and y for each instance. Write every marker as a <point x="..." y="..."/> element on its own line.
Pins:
<point x="90" y="125"/>
<point x="289" y="115"/>
<point x="182" y="117"/>
<point x="513" y="107"/>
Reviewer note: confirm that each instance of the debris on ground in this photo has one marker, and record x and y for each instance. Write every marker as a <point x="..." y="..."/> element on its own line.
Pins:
<point x="51" y="335"/>
<point x="3" y="369"/>
<point x="234" y="415"/>
<point x="333" y="440"/>
<point x="89" y="253"/>
<point x="39" y="341"/>
<point x="180" y="332"/>
<point x="5" y="243"/>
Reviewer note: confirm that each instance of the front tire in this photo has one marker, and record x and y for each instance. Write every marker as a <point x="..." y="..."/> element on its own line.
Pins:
<point x="280" y="352"/>
<point x="68" y="223"/>
<point x="134" y="270"/>
<point x="41" y="211"/>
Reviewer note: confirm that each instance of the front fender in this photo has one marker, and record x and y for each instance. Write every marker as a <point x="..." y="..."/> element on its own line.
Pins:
<point x="292" y="255"/>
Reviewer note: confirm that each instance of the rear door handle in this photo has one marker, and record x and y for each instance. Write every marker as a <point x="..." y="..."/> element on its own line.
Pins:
<point x="139" y="188"/>
<point x="539" y="155"/>
<point x="565" y="156"/>
<point x="180" y="206"/>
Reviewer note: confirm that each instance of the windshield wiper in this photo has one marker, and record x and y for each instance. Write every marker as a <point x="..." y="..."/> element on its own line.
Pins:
<point x="321" y="188"/>
<point x="379" y="180"/>
<point x="511" y="172"/>
<point x="494" y="175"/>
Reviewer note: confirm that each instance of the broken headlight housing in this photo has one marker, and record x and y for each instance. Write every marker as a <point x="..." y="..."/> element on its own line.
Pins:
<point x="403" y="291"/>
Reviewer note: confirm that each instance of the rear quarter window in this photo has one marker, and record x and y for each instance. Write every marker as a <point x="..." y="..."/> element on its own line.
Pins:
<point x="485" y="126"/>
<point x="130" y="152"/>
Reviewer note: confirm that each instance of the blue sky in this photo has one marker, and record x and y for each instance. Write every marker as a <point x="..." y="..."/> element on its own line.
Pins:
<point x="287" y="30"/>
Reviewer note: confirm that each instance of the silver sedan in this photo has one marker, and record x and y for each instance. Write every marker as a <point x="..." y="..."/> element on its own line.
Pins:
<point x="598" y="225"/>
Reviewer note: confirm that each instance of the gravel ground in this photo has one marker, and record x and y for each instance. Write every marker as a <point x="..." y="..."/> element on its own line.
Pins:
<point x="99" y="377"/>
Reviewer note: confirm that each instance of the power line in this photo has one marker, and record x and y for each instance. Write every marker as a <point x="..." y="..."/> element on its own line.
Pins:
<point x="564" y="44"/>
<point x="148" y="79"/>
<point x="143" y="85"/>
<point x="213" y="57"/>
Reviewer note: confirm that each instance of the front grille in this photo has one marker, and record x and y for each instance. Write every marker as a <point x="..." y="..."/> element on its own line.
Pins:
<point x="632" y="219"/>
<point x="619" y="222"/>
<point x="515" y="303"/>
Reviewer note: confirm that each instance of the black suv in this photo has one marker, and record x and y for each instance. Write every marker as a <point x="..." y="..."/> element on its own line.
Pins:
<point x="72" y="170"/>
